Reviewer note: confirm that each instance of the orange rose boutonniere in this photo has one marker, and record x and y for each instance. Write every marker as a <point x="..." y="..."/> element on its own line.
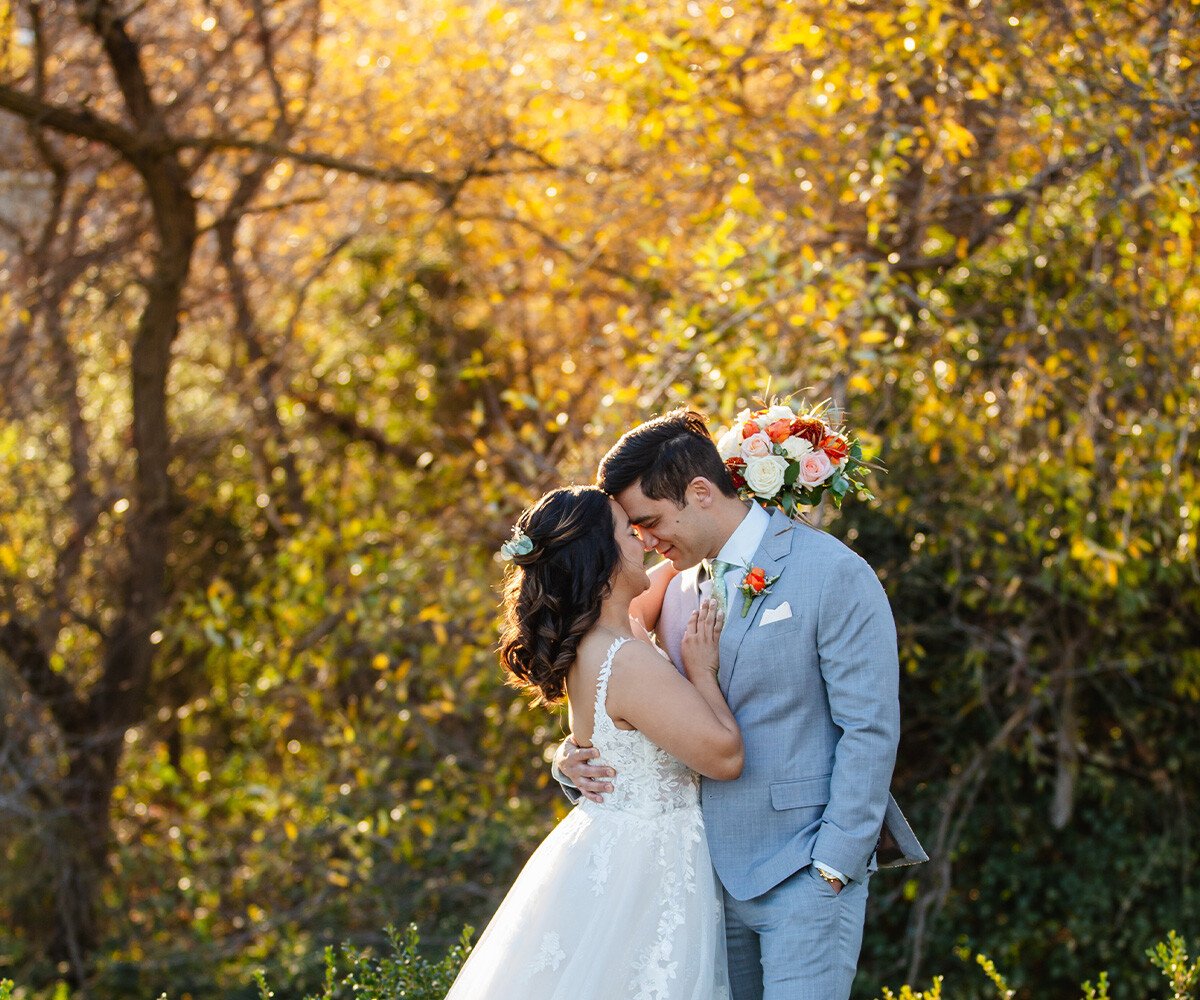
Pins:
<point x="754" y="584"/>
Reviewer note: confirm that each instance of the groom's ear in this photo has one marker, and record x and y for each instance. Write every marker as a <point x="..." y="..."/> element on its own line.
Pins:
<point x="701" y="492"/>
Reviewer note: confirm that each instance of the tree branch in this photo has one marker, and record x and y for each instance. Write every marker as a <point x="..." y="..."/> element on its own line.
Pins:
<point x="19" y="643"/>
<point x="1020" y="199"/>
<point x="137" y="147"/>
<point x="348" y="425"/>
<point x="74" y="121"/>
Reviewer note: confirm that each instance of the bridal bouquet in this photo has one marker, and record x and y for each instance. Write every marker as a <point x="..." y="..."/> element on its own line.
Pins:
<point x="788" y="459"/>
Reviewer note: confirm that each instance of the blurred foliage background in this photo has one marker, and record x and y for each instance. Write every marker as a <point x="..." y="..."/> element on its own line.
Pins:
<point x="302" y="301"/>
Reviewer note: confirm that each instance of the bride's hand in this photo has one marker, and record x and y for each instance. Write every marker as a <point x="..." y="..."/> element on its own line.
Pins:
<point x="701" y="640"/>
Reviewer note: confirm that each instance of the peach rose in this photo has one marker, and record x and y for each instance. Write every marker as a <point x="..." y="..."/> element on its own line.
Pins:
<point x="815" y="468"/>
<point x="756" y="446"/>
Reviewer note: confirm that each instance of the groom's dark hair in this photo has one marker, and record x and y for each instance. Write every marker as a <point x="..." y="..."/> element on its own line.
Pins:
<point x="664" y="455"/>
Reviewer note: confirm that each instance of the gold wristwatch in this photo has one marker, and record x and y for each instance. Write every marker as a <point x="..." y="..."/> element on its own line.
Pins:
<point x="833" y="880"/>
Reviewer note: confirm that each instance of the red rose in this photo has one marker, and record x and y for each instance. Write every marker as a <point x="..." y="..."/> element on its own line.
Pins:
<point x="779" y="431"/>
<point x="836" y="447"/>
<point x="812" y="429"/>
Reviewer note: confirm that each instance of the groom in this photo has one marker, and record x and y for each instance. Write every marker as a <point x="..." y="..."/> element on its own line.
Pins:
<point x="810" y="671"/>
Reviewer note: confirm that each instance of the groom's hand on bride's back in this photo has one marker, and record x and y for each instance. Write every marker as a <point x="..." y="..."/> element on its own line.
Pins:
<point x="584" y="769"/>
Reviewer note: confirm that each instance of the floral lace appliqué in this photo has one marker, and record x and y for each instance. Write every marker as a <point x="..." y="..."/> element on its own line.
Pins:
<point x="550" y="956"/>
<point x="599" y="861"/>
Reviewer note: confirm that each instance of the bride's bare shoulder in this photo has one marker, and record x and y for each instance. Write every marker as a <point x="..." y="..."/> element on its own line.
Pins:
<point x="639" y="659"/>
<point x="590" y="656"/>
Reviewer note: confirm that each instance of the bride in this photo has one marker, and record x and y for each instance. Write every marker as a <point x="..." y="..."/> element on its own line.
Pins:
<point x="620" y="901"/>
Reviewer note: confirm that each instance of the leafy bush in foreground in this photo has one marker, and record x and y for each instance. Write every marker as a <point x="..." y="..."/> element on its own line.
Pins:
<point x="359" y="974"/>
<point x="405" y="973"/>
<point x="1170" y="957"/>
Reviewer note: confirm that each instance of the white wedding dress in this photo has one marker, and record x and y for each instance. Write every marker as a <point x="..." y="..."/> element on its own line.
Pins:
<point x="620" y="901"/>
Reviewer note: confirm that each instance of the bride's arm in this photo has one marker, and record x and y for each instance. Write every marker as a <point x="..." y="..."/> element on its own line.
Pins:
<point x="687" y="717"/>
<point x="646" y="607"/>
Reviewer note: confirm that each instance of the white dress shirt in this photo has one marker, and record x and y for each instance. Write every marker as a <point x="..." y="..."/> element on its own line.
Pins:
<point x="739" y="550"/>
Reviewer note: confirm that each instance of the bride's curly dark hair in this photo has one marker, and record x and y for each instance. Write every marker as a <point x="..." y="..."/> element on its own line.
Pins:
<point x="553" y="597"/>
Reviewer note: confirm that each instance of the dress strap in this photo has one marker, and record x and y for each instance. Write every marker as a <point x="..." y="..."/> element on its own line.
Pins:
<point x="602" y="678"/>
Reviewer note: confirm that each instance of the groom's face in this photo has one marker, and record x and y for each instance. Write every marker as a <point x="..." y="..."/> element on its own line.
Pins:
<point x="675" y="533"/>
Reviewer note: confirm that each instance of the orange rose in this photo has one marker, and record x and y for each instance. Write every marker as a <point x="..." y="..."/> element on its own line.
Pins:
<point x="779" y="431"/>
<point x="812" y="429"/>
<point x="749" y="429"/>
<point x="754" y="584"/>
<point x="836" y="447"/>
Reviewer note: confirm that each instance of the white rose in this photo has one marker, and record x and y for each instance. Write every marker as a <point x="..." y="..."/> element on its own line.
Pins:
<point x="756" y="446"/>
<point x="729" y="445"/>
<point x="796" y="448"/>
<point x="779" y="413"/>
<point x="764" y="476"/>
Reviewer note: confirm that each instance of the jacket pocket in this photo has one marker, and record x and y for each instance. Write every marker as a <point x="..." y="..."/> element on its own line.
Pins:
<point x="799" y="794"/>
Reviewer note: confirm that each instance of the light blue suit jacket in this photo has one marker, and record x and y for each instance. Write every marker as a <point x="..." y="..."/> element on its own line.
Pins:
<point x="815" y="693"/>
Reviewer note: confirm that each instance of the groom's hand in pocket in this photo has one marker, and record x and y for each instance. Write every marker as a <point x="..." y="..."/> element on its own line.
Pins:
<point x="585" y="770"/>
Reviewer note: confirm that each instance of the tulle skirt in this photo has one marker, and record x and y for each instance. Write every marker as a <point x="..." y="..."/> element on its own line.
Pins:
<point x="613" y="905"/>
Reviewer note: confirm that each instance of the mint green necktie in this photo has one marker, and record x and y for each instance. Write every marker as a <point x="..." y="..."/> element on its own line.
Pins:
<point x="717" y="570"/>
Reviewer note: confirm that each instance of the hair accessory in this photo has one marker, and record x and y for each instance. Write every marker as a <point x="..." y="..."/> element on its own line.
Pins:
<point x="519" y="545"/>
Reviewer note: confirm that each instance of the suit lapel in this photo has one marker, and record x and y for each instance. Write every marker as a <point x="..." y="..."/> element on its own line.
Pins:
<point x="771" y="555"/>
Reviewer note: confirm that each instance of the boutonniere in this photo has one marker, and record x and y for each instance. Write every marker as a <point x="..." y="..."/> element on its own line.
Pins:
<point x="754" y="584"/>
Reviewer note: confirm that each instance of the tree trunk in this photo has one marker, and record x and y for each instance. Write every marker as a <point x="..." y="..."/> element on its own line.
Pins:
<point x="95" y="734"/>
<point x="78" y="845"/>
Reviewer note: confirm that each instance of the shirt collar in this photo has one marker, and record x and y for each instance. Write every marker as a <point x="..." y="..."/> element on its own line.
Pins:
<point x="744" y="542"/>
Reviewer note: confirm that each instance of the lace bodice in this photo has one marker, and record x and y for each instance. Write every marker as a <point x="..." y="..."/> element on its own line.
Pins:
<point x="649" y="780"/>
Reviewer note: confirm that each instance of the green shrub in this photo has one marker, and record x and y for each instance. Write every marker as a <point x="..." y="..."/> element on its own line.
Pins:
<point x="1170" y="957"/>
<point x="404" y="975"/>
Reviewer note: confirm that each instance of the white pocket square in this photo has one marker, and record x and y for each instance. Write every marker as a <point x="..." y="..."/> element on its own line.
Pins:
<point x="779" y="614"/>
